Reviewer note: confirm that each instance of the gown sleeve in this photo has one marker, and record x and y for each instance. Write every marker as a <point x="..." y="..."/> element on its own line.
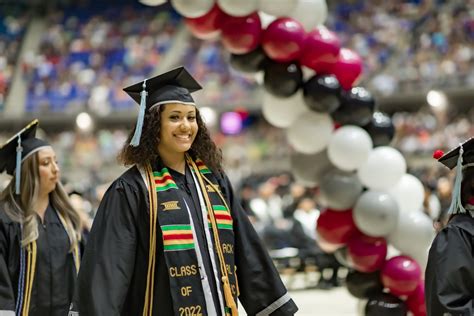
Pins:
<point x="108" y="261"/>
<point x="449" y="280"/>
<point x="7" y="297"/>
<point x="261" y="290"/>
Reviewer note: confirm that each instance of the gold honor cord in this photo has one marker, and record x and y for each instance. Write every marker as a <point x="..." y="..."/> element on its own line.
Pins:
<point x="30" y="276"/>
<point x="225" y="278"/>
<point x="148" y="306"/>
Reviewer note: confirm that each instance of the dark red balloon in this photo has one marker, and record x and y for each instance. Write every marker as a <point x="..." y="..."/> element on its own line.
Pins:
<point x="321" y="50"/>
<point x="336" y="227"/>
<point x="416" y="301"/>
<point x="207" y="26"/>
<point x="367" y="254"/>
<point x="347" y="68"/>
<point x="283" y="40"/>
<point x="241" y="35"/>
<point x="401" y="275"/>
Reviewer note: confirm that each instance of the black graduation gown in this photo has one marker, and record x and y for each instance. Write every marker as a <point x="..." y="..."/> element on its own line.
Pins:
<point x="55" y="274"/>
<point x="112" y="279"/>
<point x="449" y="278"/>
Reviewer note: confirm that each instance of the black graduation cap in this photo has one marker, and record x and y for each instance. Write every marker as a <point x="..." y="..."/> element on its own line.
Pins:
<point x="450" y="159"/>
<point x="460" y="157"/>
<point x="174" y="86"/>
<point x="19" y="147"/>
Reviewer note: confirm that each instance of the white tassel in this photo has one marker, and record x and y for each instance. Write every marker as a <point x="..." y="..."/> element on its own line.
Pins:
<point x="141" y="116"/>
<point x="19" y="150"/>
<point x="456" y="205"/>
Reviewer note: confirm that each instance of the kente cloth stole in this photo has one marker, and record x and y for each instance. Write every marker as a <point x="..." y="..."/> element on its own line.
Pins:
<point x="180" y="245"/>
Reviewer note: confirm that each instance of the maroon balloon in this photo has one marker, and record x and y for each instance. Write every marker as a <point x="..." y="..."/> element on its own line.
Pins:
<point x="321" y="50"/>
<point x="416" y="301"/>
<point x="283" y="40"/>
<point x="336" y="227"/>
<point x="241" y="35"/>
<point x="401" y="275"/>
<point x="207" y="26"/>
<point x="367" y="254"/>
<point x="348" y="68"/>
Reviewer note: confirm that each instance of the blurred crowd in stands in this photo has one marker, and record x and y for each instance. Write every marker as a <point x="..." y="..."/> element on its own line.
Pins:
<point x="408" y="45"/>
<point x="86" y="56"/>
<point x="88" y="53"/>
<point x="13" y="23"/>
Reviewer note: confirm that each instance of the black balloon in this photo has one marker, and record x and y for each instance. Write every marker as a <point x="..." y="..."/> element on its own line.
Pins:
<point x="251" y="62"/>
<point x="321" y="93"/>
<point x="282" y="79"/>
<point x="357" y="107"/>
<point x="381" y="129"/>
<point x="363" y="285"/>
<point x="385" y="304"/>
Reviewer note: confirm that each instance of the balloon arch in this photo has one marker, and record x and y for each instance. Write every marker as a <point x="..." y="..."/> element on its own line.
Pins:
<point x="341" y="143"/>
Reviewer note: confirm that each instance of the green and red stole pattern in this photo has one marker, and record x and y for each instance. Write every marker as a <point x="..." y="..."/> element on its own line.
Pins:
<point x="179" y="244"/>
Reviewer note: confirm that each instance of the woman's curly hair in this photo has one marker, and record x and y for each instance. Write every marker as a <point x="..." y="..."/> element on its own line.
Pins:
<point x="147" y="152"/>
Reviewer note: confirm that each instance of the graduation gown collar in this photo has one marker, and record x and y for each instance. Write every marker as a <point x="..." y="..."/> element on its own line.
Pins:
<point x="463" y="221"/>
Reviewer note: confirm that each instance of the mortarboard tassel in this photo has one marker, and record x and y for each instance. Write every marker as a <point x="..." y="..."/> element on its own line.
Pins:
<point x="141" y="116"/>
<point x="456" y="205"/>
<point x="19" y="150"/>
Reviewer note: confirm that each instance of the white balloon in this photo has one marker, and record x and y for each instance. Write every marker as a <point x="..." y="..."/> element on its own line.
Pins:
<point x="152" y="2"/>
<point x="307" y="73"/>
<point x="361" y="303"/>
<point x="281" y="112"/>
<point x="266" y="19"/>
<point x="310" y="132"/>
<point x="277" y="8"/>
<point x="192" y="9"/>
<point x="413" y="234"/>
<point x="383" y="169"/>
<point x="349" y="147"/>
<point x="422" y="258"/>
<point x="376" y="213"/>
<point x="310" y="13"/>
<point x="239" y="7"/>
<point x="409" y="193"/>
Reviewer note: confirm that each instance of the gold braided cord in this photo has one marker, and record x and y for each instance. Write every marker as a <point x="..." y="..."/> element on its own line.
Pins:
<point x="148" y="305"/>
<point x="225" y="278"/>
<point x="30" y="276"/>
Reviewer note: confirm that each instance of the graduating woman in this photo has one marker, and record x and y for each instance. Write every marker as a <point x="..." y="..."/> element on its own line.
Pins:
<point x="39" y="231"/>
<point x="449" y="280"/>
<point x="170" y="237"/>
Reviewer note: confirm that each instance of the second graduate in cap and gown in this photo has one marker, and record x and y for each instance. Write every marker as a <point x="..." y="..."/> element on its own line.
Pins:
<point x="449" y="278"/>
<point x="170" y="237"/>
<point x="40" y="232"/>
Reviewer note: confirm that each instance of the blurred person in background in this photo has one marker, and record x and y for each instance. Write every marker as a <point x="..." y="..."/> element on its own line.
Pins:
<point x="307" y="214"/>
<point x="449" y="279"/>
<point x="431" y="203"/>
<point x="170" y="236"/>
<point x="40" y="231"/>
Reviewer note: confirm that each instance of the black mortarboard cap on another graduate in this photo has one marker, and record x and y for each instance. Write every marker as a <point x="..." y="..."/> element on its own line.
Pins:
<point x="460" y="158"/>
<point x="174" y="86"/>
<point x="19" y="147"/>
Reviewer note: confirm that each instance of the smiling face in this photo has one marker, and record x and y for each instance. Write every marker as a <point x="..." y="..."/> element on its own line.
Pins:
<point x="178" y="128"/>
<point x="48" y="170"/>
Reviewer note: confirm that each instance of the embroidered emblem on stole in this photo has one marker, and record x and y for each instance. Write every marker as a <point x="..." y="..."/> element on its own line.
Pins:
<point x="170" y="206"/>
